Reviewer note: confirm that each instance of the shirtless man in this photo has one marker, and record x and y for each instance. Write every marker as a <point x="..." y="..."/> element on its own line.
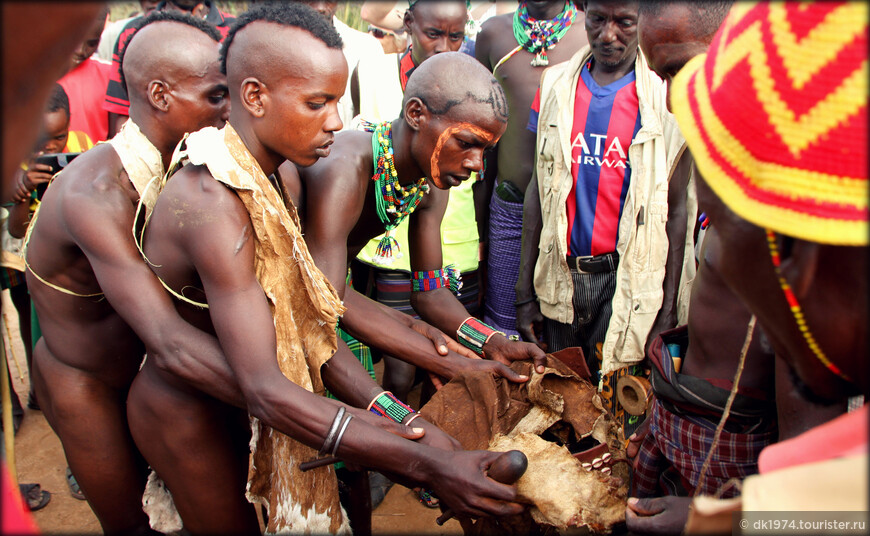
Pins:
<point x="508" y="174"/>
<point x="96" y="299"/>
<point x="670" y="34"/>
<point x="793" y="251"/>
<point x="225" y="228"/>
<point x="440" y="140"/>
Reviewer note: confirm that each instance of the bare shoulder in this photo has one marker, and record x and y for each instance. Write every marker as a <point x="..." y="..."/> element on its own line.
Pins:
<point x="349" y="163"/>
<point x="497" y="24"/>
<point x="95" y="177"/>
<point x="193" y="200"/>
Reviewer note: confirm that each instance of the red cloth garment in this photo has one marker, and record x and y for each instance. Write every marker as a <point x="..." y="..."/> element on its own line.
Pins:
<point x="86" y="86"/>
<point x="15" y="518"/>
<point x="847" y="435"/>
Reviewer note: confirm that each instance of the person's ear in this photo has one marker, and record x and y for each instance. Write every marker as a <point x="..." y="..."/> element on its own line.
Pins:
<point x="407" y="20"/>
<point x="800" y="264"/>
<point x="158" y="95"/>
<point x="416" y="113"/>
<point x="254" y="96"/>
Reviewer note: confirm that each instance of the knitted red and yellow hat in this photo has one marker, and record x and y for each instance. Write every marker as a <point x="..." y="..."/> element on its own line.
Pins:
<point x="775" y="115"/>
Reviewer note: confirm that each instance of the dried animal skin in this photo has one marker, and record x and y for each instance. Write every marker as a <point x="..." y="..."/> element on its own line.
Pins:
<point x="563" y="493"/>
<point x="484" y="412"/>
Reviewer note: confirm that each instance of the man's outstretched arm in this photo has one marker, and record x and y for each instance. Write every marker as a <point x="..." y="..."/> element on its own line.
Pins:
<point x="222" y="253"/>
<point x="440" y="307"/>
<point x="326" y="234"/>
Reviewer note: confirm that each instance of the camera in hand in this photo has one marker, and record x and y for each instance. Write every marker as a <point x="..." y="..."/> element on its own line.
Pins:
<point x="56" y="161"/>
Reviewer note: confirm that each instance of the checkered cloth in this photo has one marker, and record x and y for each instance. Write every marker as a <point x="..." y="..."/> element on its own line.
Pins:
<point x="673" y="452"/>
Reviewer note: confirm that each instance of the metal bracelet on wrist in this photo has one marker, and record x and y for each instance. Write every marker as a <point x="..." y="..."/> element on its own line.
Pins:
<point x="341" y="433"/>
<point x="336" y="422"/>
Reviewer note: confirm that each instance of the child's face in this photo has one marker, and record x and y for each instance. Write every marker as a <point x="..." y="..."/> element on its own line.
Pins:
<point x="55" y="131"/>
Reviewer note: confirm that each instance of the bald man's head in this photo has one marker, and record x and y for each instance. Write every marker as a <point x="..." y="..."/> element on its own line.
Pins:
<point x="434" y="82"/>
<point x="457" y="111"/>
<point x="150" y="51"/>
<point x="171" y="67"/>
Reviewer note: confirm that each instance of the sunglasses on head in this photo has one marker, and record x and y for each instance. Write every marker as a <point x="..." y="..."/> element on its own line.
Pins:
<point x="380" y="33"/>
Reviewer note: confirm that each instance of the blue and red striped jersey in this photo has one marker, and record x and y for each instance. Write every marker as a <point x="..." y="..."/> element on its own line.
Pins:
<point x="606" y="120"/>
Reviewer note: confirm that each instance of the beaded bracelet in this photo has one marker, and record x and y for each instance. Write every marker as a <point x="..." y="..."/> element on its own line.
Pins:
<point x="387" y="405"/>
<point x="434" y="279"/>
<point x="474" y="334"/>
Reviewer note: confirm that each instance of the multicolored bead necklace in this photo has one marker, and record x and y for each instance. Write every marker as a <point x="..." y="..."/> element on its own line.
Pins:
<point x="796" y="309"/>
<point x="394" y="202"/>
<point x="538" y="36"/>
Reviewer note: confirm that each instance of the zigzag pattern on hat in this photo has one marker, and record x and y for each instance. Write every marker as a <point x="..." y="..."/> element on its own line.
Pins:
<point x="776" y="115"/>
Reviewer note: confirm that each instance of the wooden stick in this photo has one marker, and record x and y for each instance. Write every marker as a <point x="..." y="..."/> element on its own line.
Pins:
<point x="314" y="463"/>
<point x="8" y="428"/>
<point x="750" y="329"/>
<point x="12" y="349"/>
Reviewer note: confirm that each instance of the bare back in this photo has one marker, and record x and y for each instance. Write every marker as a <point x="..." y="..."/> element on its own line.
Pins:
<point x="84" y="223"/>
<point x="520" y="82"/>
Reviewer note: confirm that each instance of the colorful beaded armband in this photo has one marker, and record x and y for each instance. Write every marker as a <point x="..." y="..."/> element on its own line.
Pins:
<point x="448" y="277"/>
<point x="474" y="334"/>
<point x="387" y="405"/>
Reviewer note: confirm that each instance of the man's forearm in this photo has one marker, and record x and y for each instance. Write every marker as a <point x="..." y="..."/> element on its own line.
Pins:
<point x="196" y="357"/>
<point x="532" y="225"/>
<point x="377" y="325"/>
<point x="676" y="230"/>
<point x="346" y="378"/>
<point x="440" y="308"/>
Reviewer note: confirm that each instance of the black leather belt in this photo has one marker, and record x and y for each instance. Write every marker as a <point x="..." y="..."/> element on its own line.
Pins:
<point x="507" y="191"/>
<point x="606" y="262"/>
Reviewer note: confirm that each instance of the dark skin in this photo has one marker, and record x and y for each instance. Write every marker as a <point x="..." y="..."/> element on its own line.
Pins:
<point x="46" y="45"/>
<point x="463" y="134"/>
<point x="52" y="139"/>
<point x="200" y="10"/>
<point x="717" y="319"/>
<point x="835" y="299"/>
<point x="434" y="27"/>
<point x="278" y="115"/>
<point x="717" y="328"/>
<point x="514" y="160"/>
<point x="91" y="347"/>
<point x="612" y="34"/>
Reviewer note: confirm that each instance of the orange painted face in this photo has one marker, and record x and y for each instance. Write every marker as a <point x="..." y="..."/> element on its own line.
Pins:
<point x="459" y="151"/>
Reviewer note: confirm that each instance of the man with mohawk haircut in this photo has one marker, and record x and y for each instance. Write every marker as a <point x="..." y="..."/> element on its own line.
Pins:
<point x="226" y="242"/>
<point x="96" y="300"/>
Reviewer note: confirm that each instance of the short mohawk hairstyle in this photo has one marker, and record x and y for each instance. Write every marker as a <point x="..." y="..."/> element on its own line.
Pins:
<point x="292" y="14"/>
<point x="167" y="15"/>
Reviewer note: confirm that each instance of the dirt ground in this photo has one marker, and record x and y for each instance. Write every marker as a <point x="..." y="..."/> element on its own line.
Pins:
<point x="39" y="458"/>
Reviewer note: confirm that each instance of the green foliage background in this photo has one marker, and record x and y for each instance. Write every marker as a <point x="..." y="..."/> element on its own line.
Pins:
<point x="348" y="12"/>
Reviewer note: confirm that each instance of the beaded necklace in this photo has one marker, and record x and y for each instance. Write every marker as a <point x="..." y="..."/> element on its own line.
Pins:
<point x="538" y="36"/>
<point x="796" y="309"/>
<point x="394" y="202"/>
